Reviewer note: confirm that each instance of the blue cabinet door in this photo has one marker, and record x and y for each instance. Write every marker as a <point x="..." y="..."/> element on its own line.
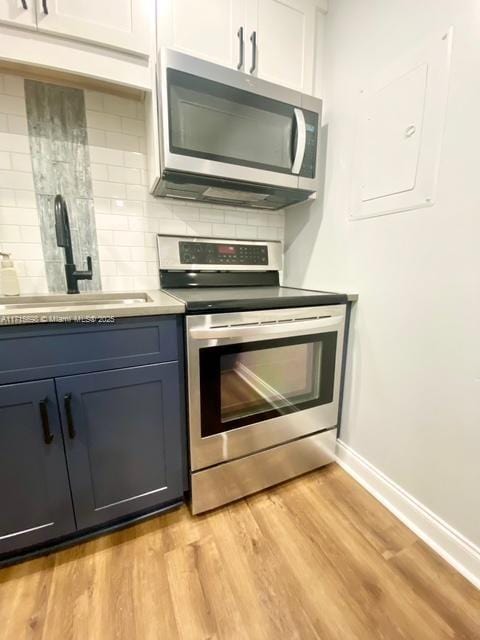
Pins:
<point x="35" y="501"/>
<point x="123" y="439"/>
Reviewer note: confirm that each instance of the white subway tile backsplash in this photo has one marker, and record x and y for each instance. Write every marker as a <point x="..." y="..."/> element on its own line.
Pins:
<point x="5" y="162"/>
<point x="128" y="218"/>
<point x="108" y="189"/>
<point x="31" y="234"/>
<point x="267" y="233"/>
<point x="12" y="104"/>
<point x="122" y="141"/>
<point x="105" y="236"/>
<point x="257" y="218"/>
<point x="131" y="268"/>
<point x="136" y="192"/>
<point x="135" y="160"/>
<point x="111" y="221"/>
<point x="246" y="232"/>
<point x="25" y="199"/>
<point x="16" y="179"/>
<point x="10" y="233"/>
<point x="133" y="126"/>
<point x="103" y="155"/>
<point x="199" y="228"/>
<point x="14" y="215"/>
<point x="128" y="238"/>
<point x="7" y="198"/>
<point x="127" y="207"/>
<point x="94" y="100"/>
<point x="120" y="106"/>
<point x="23" y="251"/>
<point x="14" y="142"/>
<point x="13" y="86"/>
<point x="236" y="217"/>
<point x="105" y="121"/>
<point x="21" y="162"/>
<point x="117" y="283"/>
<point x="114" y="253"/>
<point x="102" y="205"/>
<point x="98" y="171"/>
<point x="223" y="230"/>
<point x="96" y="137"/>
<point x="147" y="254"/>
<point x="212" y="215"/>
<point x="17" y="124"/>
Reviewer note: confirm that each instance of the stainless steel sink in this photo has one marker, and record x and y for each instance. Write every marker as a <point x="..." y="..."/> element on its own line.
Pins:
<point x="44" y="303"/>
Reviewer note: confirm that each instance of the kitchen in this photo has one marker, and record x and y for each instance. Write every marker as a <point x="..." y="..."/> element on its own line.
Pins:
<point x="129" y="508"/>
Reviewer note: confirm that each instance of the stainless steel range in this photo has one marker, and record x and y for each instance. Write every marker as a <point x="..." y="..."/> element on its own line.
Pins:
<point x="263" y="366"/>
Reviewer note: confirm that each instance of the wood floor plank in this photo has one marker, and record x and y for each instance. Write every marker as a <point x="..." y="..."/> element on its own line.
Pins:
<point x="315" y="558"/>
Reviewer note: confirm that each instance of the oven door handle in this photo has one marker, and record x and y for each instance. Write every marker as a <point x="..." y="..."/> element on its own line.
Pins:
<point x="283" y="328"/>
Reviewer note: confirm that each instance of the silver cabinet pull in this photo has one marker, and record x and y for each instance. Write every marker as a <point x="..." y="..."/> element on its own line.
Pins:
<point x="241" y="50"/>
<point x="45" y="7"/>
<point x="25" y="5"/>
<point x="253" y="40"/>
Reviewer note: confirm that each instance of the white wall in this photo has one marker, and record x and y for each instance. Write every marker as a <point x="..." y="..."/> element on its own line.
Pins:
<point x="412" y="404"/>
<point x="127" y="217"/>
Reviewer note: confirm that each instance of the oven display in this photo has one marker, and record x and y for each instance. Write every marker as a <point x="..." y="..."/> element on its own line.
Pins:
<point x="227" y="249"/>
<point x="216" y="253"/>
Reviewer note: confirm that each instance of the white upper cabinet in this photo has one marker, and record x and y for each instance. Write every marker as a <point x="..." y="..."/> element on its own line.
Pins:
<point x="210" y="31"/>
<point x="120" y="24"/>
<point x="271" y="39"/>
<point x="18" y="13"/>
<point x="281" y="42"/>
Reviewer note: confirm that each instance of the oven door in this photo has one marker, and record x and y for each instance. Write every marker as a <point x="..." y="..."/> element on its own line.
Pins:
<point x="257" y="379"/>
<point x="220" y="122"/>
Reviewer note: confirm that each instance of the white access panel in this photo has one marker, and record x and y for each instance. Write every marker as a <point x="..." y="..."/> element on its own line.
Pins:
<point x="399" y="133"/>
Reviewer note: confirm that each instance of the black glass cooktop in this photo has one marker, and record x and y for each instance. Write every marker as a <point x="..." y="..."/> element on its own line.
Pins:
<point x="218" y="299"/>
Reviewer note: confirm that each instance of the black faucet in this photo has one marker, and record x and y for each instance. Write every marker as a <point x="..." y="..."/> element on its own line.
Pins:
<point x="64" y="239"/>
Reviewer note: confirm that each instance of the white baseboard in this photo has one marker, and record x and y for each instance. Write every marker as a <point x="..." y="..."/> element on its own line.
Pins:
<point x="462" y="554"/>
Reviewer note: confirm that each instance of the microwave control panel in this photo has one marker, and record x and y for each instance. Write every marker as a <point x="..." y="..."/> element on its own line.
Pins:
<point x="216" y="253"/>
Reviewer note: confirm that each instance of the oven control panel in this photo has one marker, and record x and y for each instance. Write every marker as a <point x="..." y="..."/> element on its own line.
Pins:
<point x="219" y="253"/>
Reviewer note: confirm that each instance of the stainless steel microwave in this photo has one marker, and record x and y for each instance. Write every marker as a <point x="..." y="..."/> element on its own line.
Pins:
<point x="226" y="137"/>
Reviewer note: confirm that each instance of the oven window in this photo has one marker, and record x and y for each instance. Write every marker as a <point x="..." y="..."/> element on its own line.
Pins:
<point x="247" y="383"/>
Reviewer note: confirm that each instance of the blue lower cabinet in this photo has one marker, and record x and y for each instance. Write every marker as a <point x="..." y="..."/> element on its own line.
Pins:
<point x="35" y="501"/>
<point x="123" y="440"/>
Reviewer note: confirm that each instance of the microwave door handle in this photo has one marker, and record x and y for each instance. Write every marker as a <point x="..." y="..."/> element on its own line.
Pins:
<point x="301" y="140"/>
<point x="269" y="330"/>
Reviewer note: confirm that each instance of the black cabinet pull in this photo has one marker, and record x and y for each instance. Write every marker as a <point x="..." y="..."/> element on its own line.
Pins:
<point x="241" y="44"/>
<point x="45" y="7"/>
<point x="253" y="40"/>
<point x="25" y="5"/>
<point x="47" y="434"/>
<point x="67" y="400"/>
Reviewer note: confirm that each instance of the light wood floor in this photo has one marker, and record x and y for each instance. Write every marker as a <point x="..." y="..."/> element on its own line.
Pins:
<point x="314" y="558"/>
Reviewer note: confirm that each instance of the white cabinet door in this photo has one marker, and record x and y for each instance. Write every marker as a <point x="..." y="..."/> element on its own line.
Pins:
<point x="285" y="41"/>
<point x="120" y="24"/>
<point x="207" y="30"/>
<point x="18" y="13"/>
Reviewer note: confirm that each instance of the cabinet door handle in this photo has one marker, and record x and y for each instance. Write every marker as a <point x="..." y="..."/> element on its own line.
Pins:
<point x="241" y="50"/>
<point x="253" y="40"/>
<point x="47" y="434"/>
<point x="25" y="5"/>
<point x="67" y="400"/>
<point x="45" y="7"/>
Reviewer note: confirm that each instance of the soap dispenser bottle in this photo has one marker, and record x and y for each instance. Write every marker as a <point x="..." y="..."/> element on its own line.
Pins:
<point x="8" y="276"/>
